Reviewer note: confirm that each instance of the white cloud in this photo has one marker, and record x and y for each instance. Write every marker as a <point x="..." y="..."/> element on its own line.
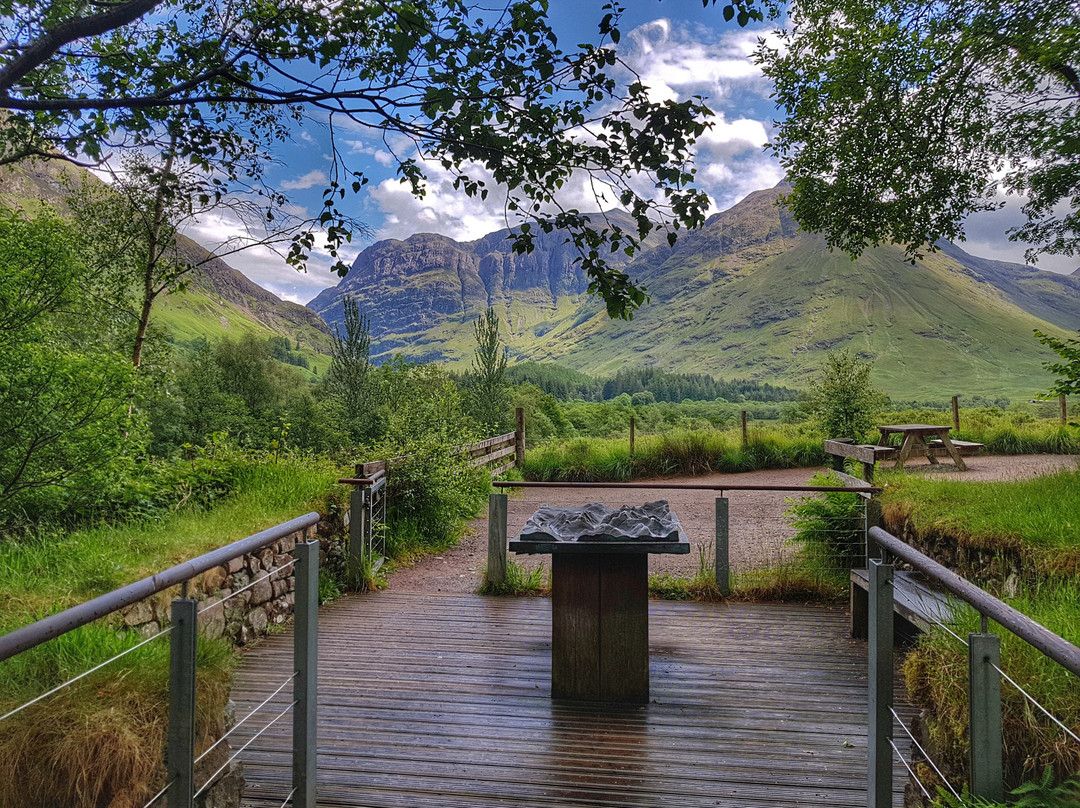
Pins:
<point x="309" y="180"/>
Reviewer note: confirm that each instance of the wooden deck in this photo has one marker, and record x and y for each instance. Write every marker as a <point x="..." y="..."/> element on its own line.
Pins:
<point x="445" y="701"/>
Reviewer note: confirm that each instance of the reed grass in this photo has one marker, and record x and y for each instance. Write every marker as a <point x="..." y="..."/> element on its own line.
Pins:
<point x="675" y="453"/>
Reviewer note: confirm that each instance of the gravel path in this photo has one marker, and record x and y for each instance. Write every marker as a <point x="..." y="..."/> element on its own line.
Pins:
<point x="759" y="531"/>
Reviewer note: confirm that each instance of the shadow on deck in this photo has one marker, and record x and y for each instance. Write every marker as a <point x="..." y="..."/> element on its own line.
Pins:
<point x="445" y="701"/>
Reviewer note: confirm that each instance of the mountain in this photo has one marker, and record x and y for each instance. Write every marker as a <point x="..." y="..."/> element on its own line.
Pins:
<point x="219" y="301"/>
<point x="748" y="295"/>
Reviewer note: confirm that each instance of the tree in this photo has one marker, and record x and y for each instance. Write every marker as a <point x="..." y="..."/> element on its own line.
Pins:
<point x="843" y="401"/>
<point x="62" y="391"/>
<point x="901" y="118"/>
<point x="349" y="380"/>
<point x="487" y="94"/>
<point x="1068" y="369"/>
<point x="487" y="383"/>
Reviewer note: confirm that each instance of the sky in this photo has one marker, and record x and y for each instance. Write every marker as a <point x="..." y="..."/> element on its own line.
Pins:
<point x="678" y="47"/>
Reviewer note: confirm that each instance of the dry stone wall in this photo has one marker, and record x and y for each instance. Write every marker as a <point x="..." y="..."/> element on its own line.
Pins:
<point x="240" y="601"/>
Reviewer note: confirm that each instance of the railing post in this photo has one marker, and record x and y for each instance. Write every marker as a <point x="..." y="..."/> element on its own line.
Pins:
<point x="631" y="436"/>
<point x="745" y="435"/>
<point x="181" y="741"/>
<point x="1064" y="409"/>
<point x="722" y="557"/>
<point x="496" y="564"/>
<point x="519" y="437"/>
<point x="358" y="517"/>
<point x="984" y="716"/>
<point x="880" y="683"/>
<point x="305" y="685"/>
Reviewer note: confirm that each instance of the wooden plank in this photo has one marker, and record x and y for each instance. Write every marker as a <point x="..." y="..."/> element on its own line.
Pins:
<point x="497" y="455"/>
<point x="443" y="701"/>
<point x="624" y="628"/>
<point x="575" y="626"/>
<point x="864" y="453"/>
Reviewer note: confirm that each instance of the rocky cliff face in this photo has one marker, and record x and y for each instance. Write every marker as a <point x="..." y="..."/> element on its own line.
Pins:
<point x="417" y="284"/>
<point x="746" y="296"/>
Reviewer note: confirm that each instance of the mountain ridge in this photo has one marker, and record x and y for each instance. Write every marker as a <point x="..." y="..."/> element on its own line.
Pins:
<point x="748" y="295"/>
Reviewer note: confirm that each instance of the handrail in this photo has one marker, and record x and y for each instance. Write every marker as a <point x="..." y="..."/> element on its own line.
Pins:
<point x="1039" y="637"/>
<point x="687" y="486"/>
<point x="34" y="634"/>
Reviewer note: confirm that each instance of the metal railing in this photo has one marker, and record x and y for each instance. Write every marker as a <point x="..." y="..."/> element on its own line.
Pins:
<point x="984" y="672"/>
<point x="180" y="788"/>
<point x="721" y="547"/>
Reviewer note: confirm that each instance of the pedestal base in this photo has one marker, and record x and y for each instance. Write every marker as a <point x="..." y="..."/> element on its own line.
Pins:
<point x="600" y="627"/>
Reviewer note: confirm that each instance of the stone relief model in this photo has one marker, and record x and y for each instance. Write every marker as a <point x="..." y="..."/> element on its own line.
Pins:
<point x="652" y="521"/>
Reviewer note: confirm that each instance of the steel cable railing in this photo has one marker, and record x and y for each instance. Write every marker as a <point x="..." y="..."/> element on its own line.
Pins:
<point x="985" y="673"/>
<point x="181" y="760"/>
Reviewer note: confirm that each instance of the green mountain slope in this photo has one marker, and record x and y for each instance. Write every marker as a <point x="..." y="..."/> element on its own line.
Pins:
<point x="219" y="301"/>
<point x="747" y="296"/>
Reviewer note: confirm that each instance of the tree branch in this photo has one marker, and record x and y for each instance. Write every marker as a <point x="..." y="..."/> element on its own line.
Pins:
<point x="79" y="28"/>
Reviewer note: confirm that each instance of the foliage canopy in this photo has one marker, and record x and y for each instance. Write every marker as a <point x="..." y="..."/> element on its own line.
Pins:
<point x="903" y="117"/>
<point x="487" y="94"/>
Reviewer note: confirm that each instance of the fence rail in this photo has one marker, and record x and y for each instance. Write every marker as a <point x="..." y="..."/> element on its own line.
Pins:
<point x="180" y="788"/>
<point x="984" y="670"/>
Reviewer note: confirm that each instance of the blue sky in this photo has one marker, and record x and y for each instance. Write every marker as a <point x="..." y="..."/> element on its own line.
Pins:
<point x="677" y="46"/>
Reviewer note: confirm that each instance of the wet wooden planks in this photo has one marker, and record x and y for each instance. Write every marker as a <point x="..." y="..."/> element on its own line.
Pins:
<point x="445" y="701"/>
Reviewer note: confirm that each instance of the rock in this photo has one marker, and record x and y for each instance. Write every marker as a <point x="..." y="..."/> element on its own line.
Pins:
<point x="266" y="558"/>
<point x="213" y="619"/>
<point x="263" y="590"/>
<point x="147" y="630"/>
<point x="288" y="544"/>
<point x="280" y="588"/>
<point x="213" y="579"/>
<point x="234" y="565"/>
<point x="258" y="620"/>
<point x="253" y="564"/>
<point x="139" y="613"/>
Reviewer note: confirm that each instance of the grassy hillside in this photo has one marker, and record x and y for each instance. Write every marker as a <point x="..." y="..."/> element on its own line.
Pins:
<point x="748" y="296"/>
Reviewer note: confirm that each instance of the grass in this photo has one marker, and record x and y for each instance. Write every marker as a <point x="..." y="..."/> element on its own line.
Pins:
<point x="684" y="453"/>
<point x="51" y="570"/>
<point x="1032" y="525"/>
<point x="1020" y="540"/>
<point x="520" y="580"/>
<point x="933" y="670"/>
<point x="101" y="740"/>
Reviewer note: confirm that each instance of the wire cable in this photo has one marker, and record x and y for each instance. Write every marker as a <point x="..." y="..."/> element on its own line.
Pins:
<point x="289" y="798"/>
<point x="1031" y="698"/>
<point x="240" y="723"/>
<point x="269" y="575"/>
<point x="911" y="771"/>
<point x="160" y="794"/>
<point x="84" y="674"/>
<point x="922" y="751"/>
<point x="237" y="753"/>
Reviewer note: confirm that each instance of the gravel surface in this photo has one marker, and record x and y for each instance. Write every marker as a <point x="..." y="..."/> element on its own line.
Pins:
<point x="759" y="531"/>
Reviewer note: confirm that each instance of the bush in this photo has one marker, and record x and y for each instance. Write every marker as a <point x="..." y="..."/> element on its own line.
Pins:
<point x="830" y="527"/>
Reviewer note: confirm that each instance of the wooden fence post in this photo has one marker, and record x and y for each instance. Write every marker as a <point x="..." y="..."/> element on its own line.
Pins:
<point x="496" y="565"/>
<point x="745" y="439"/>
<point x="956" y="413"/>
<point x="722" y="558"/>
<point x="1064" y="413"/>
<point x="519" y="438"/>
<point x="631" y="436"/>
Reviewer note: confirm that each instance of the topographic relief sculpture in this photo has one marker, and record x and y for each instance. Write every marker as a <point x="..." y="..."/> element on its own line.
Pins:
<point x="594" y="522"/>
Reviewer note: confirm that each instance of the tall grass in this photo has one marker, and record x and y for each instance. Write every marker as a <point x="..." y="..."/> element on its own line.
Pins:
<point x="682" y="453"/>
<point x="936" y="677"/>
<point x="51" y="569"/>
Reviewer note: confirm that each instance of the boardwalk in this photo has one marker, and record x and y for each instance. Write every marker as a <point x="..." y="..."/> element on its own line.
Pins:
<point x="444" y="701"/>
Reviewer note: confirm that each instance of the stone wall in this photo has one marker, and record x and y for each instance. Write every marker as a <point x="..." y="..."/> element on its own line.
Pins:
<point x="245" y="596"/>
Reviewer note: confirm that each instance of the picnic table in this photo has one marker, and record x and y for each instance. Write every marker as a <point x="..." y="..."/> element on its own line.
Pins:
<point x="921" y="438"/>
<point x="600" y="615"/>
